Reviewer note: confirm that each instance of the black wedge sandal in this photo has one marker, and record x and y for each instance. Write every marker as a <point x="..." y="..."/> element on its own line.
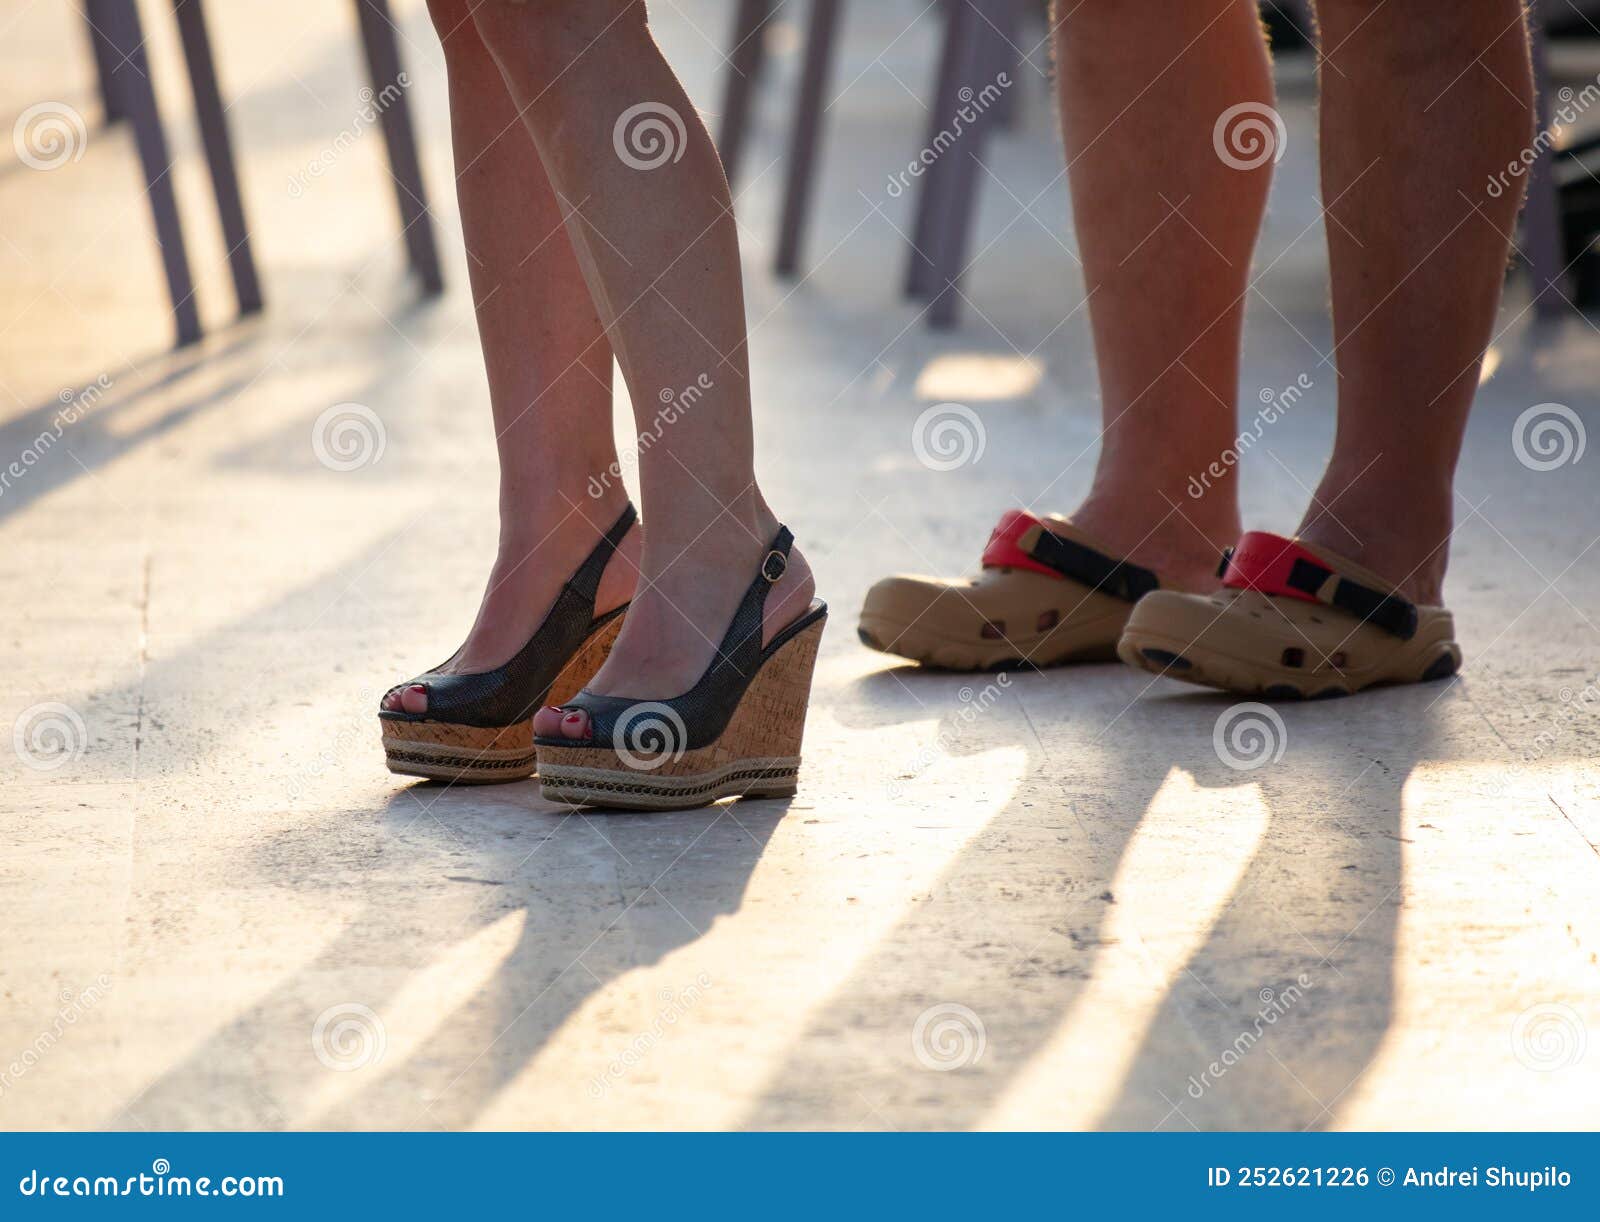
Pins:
<point x="479" y="727"/>
<point x="736" y="733"/>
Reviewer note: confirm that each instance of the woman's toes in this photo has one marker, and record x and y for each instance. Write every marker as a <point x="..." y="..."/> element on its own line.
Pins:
<point x="551" y="722"/>
<point x="391" y="700"/>
<point x="414" y="699"/>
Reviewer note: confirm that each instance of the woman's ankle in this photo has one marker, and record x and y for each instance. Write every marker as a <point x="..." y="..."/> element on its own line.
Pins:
<point x="532" y="514"/>
<point x="542" y="543"/>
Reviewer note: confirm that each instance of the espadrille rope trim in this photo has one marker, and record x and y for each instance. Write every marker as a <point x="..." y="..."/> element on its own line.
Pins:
<point x="463" y="761"/>
<point x="553" y="785"/>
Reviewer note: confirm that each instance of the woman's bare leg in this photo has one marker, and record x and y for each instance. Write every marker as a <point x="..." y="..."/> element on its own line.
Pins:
<point x="1166" y="227"/>
<point x="548" y="362"/>
<point x="649" y="214"/>
<point x="1419" y="109"/>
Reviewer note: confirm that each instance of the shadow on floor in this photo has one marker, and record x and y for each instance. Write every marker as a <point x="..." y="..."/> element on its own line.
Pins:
<point x="621" y="909"/>
<point x="86" y="421"/>
<point x="1017" y="927"/>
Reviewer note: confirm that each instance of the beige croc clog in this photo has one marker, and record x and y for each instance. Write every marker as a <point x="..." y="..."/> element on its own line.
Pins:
<point x="1291" y="622"/>
<point x="1046" y="595"/>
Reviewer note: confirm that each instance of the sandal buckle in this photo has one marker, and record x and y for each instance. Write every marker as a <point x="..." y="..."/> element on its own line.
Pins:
<point x="774" y="566"/>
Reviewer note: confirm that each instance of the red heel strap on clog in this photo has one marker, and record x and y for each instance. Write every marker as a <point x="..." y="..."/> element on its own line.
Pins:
<point x="1271" y="564"/>
<point x="1022" y="541"/>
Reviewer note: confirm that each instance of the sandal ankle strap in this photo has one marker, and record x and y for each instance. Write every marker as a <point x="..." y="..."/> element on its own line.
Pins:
<point x="586" y="581"/>
<point x="750" y="618"/>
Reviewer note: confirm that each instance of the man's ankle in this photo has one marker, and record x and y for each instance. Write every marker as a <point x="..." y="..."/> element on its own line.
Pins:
<point x="1179" y="545"/>
<point x="1399" y="526"/>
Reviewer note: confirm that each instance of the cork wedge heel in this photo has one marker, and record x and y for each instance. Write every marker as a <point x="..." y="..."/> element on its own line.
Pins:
<point x="478" y="728"/>
<point x="736" y="733"/>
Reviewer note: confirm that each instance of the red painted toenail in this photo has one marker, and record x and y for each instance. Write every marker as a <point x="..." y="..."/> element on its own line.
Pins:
<point x="573" y="717"/>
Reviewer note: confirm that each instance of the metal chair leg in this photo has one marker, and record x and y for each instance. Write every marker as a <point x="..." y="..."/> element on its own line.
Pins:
<point x="384" y="69"/>
<point x="130" y="83"/>
<point x="105" y="58"/>
<point x="219" y="152"/>
<point x="1008" y="20"/>
<point x="745" y="62"/>
<point x="932" y="195"/>
<point x="806" y="133"/>
<point x="987" y="52"/>
<point x="1541" y="215"/>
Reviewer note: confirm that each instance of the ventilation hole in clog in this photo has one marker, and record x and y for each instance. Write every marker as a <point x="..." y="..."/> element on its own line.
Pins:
<point x="1048" y="620"/>
<point x="1294" y="658"/>
<point x="994" y="630"/>
<point x="1338" y="660"/>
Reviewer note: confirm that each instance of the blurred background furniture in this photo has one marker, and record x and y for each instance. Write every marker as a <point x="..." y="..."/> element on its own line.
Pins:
<point x="1560" y="222"/>
<point x="123" y="73"/>
<point x="979" y="44"/>
<point x="117" y="38"/>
